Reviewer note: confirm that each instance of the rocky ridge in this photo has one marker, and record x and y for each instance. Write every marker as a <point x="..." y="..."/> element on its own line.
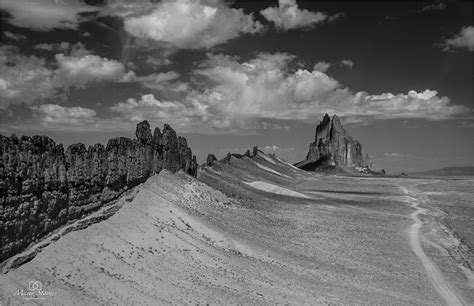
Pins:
<point x="334" y="147"/>
<point x="43" y="187"/>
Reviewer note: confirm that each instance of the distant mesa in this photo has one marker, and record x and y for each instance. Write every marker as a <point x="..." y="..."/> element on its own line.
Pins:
<point x="335" y="150"/>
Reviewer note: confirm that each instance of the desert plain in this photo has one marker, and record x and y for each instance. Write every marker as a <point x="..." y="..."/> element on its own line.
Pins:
<point x="260" y="231"/>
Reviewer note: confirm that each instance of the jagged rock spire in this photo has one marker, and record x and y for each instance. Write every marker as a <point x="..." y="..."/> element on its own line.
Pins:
<point x="333" y="146"/>
<point x="67" y="184"/>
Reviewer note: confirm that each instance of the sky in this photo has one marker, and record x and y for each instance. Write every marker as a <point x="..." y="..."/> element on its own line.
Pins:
<point x="232" y="75"/>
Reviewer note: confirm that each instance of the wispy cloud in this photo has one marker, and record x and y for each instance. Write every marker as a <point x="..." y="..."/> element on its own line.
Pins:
<point x="466" y="124"/>
<point x="289" y="16"/>
<point x="46" y="15"/>
<point x="347" y="62"/>
<point x="157" y="62"/>
<point x="463" y="40"/>
<point x="56" y="47"/>
<point x="321" y="66"/>
<point x="53" y="114"/>
<point x="436" y="6"/>
<point x="398" y="156"/>
<point x="14" y="36"/>
<point x="277" y="149"/>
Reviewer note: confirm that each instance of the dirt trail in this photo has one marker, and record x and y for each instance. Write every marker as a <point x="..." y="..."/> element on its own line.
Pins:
<point x="434" y="274"/>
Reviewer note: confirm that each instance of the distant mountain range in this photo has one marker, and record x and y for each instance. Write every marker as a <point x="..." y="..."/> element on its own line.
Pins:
<point x="448" y="171"/>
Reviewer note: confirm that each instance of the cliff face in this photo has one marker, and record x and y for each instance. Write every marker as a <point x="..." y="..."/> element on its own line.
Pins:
<point x="334" y="147"/>
<point x="42" y="186"/>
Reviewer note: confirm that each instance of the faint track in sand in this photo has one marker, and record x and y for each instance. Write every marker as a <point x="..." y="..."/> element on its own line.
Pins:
<point x="434" y="274"/>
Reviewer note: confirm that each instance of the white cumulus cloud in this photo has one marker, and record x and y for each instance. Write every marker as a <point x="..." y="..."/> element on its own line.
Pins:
<point x="424" y="104"/>
<point x="261" y="87"/>
<point x="151" y="78"/>
<point x="26" y="79"/>
<point x="288" y="16"/>
<point x="321" y="66"/>
<point x="347" y="62"/>
<point x="56" y="47"/>
<point x="44" y="15"/>
<point x="150" y="108"/>
<point x="53" y="114"/>
<point x="23" y="78"/>
<point x="79" y="71"/>
<point x="191" y="24"/>
<point x="464" y="40"/>
<point x="266" y="87"/>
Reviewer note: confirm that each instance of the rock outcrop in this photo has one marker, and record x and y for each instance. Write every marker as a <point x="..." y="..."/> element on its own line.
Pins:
<point x="227" y="158"/>
<point x="255" y="151"/>
<point x="211" y="160"/>
<point x="43" y="187"/>
<point x="333" y="147"/>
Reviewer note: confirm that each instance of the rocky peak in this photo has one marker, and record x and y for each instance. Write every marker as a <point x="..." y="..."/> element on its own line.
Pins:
<point x="211" y="159"/>
<point x="168" y="129"/>
<point x="143" y="132"/>
<point x="328" y="128"/>
<point x="255" y="151"/>
<point x="333" y="146"/>
<point x="169" y="139"/>
<point x="336" y="125"/>
<point x="157" y="133"/>
<point x="323" y="128"/>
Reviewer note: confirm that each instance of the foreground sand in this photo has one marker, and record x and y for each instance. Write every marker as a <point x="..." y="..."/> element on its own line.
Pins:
<point x="247" y="240"/>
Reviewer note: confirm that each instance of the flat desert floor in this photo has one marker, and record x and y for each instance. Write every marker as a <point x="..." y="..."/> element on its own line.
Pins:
<point x="259" y="231"/>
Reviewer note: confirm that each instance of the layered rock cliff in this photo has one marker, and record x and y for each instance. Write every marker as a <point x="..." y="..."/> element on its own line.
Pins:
<point x="333" y="147"/>
<point x="43" y="187"/>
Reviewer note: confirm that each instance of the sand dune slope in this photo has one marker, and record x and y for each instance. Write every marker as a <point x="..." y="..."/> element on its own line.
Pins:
<point x="219" y="240"/>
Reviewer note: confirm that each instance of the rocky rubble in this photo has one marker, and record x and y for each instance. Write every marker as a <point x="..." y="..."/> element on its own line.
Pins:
<point x="43" y="187"/>
<point x="333" y="146"/>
